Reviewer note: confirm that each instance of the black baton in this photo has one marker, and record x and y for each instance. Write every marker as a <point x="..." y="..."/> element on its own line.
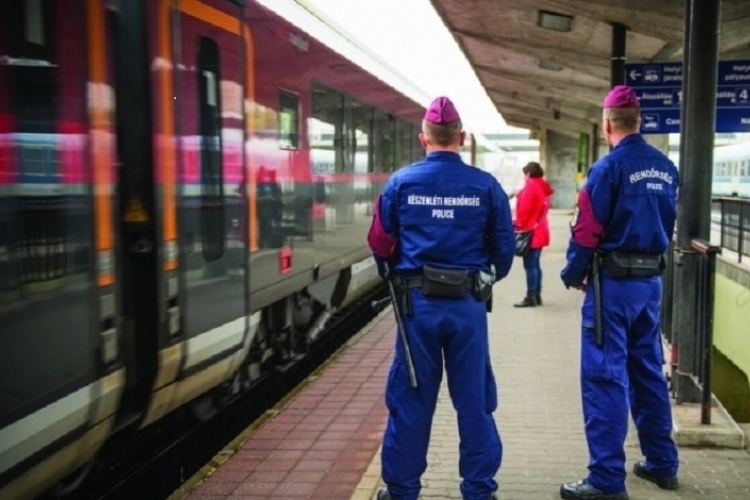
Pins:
<point x="399" y="323"/>
<point x="597" y="302"/>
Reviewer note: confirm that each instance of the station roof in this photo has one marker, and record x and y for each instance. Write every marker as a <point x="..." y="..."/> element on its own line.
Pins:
<point x="530" y="72"/>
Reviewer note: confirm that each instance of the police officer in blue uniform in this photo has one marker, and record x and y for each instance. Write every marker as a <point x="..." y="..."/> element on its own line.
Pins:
<point x="441" y="224"/>
<point x="624" y="223"/>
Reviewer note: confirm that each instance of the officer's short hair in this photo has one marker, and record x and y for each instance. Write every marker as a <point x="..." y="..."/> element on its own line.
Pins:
<point x="443" y="134"/>
<point x="625" y="119"/>
<point x="533" y="169"/>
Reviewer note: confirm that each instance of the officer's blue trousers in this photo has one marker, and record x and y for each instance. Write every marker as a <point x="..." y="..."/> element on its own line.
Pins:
<point x="625" y="373"/>
<point x="453" y="331"/>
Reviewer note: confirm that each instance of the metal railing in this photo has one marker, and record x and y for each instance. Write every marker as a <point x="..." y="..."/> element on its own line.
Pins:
<point x="704" y="314"/>
<point x="667" y="297"/>
<point x="730" y="218"/>
<point x="702" y="311"/>
<point x="729" y="230"/>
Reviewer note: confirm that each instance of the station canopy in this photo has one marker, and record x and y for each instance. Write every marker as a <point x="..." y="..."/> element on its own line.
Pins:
<point x="546" y="63"/>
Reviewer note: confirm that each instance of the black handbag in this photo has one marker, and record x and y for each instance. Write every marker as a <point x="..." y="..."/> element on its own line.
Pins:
<point x="523" y="239"/>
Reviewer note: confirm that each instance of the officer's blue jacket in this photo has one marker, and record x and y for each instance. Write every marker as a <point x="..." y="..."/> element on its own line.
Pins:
<point x="628" y="204"/>
<point x="445" y="213"/>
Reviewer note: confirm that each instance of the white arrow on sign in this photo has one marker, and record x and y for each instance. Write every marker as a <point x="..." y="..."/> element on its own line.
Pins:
<point x="634" y="74"/>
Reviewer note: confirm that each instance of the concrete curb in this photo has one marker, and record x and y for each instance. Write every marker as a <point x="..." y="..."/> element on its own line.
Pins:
<point x="722" y="432"/>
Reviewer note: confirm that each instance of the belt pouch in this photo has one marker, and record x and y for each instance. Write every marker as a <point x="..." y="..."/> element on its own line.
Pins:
<point x="482" y="286"/>
<point x="633" y="264"/>
<point x="449" y="283"/>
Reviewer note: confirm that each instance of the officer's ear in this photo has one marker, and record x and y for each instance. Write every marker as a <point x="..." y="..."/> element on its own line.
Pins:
<point x="423" y="140"/>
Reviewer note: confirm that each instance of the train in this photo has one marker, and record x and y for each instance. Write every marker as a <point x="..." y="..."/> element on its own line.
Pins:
<point x="731" y="170"/>
<point x="185" y="190"/>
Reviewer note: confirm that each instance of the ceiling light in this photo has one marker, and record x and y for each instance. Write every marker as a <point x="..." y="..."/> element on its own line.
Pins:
<point x="550" y="66"/>
<point x="554" y="21"/>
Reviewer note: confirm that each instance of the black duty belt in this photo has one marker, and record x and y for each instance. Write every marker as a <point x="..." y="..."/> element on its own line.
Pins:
<point x="417" y="280"/>
<point x="446" y="283"/>
<point x="631" y="264"/>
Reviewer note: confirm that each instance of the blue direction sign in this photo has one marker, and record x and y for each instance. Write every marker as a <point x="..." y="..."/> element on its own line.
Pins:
<point x="659" y="89"/>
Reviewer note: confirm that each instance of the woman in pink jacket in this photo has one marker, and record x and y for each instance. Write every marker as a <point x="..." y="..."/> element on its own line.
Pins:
<point x="532" y="205"/>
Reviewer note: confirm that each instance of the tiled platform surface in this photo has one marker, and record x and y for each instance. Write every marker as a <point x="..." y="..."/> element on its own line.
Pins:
<point x="323" y="444"/>
<point x="320" y="443"/>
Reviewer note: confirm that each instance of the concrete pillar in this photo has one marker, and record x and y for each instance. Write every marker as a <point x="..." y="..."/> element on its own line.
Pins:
<point x="659" y="141"/>
<point x="558" y="154"/>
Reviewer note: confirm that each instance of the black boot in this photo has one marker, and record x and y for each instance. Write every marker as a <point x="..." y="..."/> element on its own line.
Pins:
<point x="665" y="483"/>
<point x="528" y="301"/>
<point x="383" y="494"/>
<point x="582" y="490"/>
<point x="538" y="297"/>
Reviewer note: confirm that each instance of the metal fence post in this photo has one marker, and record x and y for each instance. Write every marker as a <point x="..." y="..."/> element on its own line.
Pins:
<point x="705" y="311"/>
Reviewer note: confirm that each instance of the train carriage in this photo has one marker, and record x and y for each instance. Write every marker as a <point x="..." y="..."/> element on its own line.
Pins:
<point x="185" y="189"/>
<point x="731" y="170"/>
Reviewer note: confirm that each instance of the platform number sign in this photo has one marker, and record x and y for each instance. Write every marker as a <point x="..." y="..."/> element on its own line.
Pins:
<point x="659" y="90"/>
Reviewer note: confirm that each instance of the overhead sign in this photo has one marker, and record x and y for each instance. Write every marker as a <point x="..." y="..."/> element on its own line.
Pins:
<point x="659" y="90"/>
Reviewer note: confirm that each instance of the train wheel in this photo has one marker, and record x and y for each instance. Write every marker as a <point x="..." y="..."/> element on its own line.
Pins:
<point x="207" y="405"/>
<point x="203" y="408"/>
<point x="70" y="483"/>
<point x="257" y="358"/>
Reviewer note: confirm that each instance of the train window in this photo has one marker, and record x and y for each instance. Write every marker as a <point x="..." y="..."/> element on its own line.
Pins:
<point x="46" y="219"/>
<point x="359" y="130"/>
<point x="384" y="142"/>
<point x="326" y="130"/>
<point x="406" y="142"/>
<point x="30" y="38"/>
<point x="744" y="167"/>
<point x="288" y="120"/>
<point x="34" y="26"/>
<point x="211" y="171"/>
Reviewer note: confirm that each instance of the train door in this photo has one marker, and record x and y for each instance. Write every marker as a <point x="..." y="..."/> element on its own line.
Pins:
<point x="198" y="59"/>
<point x="128" y="37"/>
<point x="211" y="191"/>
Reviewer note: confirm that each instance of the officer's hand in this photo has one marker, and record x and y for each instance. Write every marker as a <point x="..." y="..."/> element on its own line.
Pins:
<point x="574" y="273"/>
<point x="572" y="278"/>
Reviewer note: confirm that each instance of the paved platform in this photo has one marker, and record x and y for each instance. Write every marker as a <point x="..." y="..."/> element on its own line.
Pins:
<point x="323" y="442"/>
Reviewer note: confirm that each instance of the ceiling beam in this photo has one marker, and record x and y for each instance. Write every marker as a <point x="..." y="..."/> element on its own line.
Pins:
<point x="582" y="62"/>
<point x="531" y="112"/>
<point x="532" y="46"/>
<point x="663" y="20"/>
<point x="539" y="126"/>
<point x="735" y="33"/>
<point x="573" y="91"/>
<point x="547" y="102"/>
<point x="544" y="109"/>
<point x="667" y="8"/>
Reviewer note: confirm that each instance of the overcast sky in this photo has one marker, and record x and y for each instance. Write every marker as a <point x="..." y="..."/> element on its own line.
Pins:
<point x="412" y="38"/>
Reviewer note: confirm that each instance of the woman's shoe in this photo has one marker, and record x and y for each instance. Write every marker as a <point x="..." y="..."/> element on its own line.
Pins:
<point x="528" y="301"/>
